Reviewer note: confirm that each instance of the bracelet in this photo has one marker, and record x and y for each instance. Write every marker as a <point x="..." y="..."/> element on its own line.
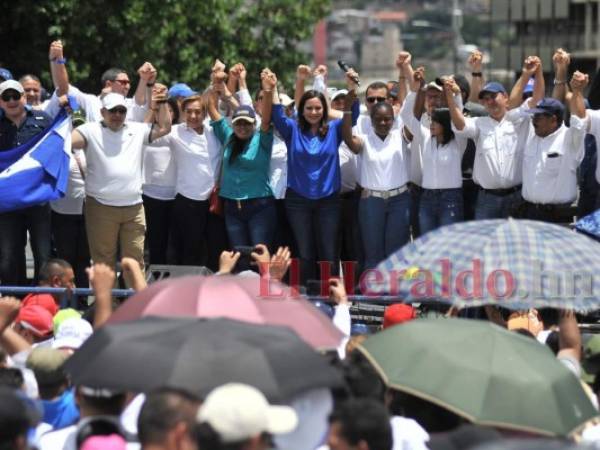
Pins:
<point x="559" y="81"/>
<point x="476" y="74"/>
<point x="58" y="60"/>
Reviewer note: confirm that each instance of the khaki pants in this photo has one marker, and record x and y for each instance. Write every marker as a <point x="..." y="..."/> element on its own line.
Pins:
<point x="108" y="226"/>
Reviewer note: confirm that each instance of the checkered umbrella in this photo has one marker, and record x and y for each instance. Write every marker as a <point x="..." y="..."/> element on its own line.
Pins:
<point x="517" y="264"/>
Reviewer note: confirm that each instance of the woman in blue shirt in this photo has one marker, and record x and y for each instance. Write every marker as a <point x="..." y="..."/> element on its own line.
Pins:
<point x="312" y="199"/>
<point x="250" y="214"/>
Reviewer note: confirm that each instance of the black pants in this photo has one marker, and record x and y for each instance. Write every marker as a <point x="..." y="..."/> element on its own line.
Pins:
<point x="159" y="219"/>
<point x="188" y="233"/>
<point x="71" y="243"/>
<point x="350" y="244"/>
<point x="547" y="213"/>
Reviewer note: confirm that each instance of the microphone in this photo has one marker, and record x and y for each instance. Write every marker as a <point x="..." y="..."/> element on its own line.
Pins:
<point x="345" y="67"/>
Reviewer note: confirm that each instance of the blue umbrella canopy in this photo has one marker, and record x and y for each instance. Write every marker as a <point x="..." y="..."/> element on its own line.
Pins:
<point x="517" y="264"/>
<point x="590" y="225"/>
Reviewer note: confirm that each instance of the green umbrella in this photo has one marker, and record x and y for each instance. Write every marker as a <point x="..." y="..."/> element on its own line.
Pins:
<point x="481" y="372"/>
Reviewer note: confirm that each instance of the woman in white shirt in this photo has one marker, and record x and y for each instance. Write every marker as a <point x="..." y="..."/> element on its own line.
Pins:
<point x="384" y="207"/>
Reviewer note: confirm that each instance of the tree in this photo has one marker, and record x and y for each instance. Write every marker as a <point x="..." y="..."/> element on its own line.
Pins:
<point x="180" y="37"/>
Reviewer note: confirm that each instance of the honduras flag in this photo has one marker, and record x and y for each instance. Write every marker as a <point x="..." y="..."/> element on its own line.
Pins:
<point x="37" y="171"/>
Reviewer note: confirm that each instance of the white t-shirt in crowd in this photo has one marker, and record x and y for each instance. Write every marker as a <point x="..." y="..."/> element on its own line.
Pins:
<point x="114" y="162"/>
<point x="72" y="202"/>
<point x="159" y="173"/>
<point x="593" y="127"/>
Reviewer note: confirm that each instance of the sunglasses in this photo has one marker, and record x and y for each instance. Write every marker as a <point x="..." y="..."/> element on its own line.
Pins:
<point x="376" y="99"/>
<point x="10" y="95"/>
<point x="123" y="82"/>
<point x="118" y="111"/>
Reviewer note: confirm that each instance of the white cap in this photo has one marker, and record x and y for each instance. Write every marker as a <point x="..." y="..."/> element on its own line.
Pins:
<point x="285" y="100"/>
<point x="339" y="92"/>
<point x="113" y="100"/>
<point x="72" y="333"/>
<point x="238" y="412"/>
<point x="11" y="84"/>
<point x="434" y="85"/>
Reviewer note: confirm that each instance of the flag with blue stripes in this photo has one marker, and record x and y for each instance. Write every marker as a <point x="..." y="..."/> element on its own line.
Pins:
<point x="37" y="171"/>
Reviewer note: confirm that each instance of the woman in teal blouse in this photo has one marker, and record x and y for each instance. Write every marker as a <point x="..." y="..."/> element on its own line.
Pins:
<point x="250" y="214"/>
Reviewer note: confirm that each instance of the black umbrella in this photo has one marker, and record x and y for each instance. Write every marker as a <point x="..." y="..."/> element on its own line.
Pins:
<point x="199" y="355"/>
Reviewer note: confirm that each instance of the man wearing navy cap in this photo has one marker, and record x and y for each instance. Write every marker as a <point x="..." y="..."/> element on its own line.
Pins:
<point x="499" y="139"/>
<point x="552" y="154"/>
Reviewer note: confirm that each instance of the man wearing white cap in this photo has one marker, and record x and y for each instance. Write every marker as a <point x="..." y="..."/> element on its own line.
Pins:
<point x="238" y="416"/>
<point x="113" y="207"/>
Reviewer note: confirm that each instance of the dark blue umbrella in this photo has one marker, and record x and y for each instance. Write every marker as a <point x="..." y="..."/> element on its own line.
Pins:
<point x="590" y="225"/>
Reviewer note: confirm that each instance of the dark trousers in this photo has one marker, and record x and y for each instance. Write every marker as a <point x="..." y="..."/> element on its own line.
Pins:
<point x="547" y="213"/>
<point x="315" y="224"/>
<point x="159" y="219"/>
<point x="71" y="243"/>
<point x="190" y="218"/>
<point x="350" y="240"/>
<point x="440" y="207"/>
<point x="13" y="239"/>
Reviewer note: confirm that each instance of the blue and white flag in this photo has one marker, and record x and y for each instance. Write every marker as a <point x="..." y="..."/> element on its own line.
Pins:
<point x="37" y="171"/>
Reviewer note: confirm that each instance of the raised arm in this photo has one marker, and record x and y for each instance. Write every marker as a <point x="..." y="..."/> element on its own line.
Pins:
<point x="354" y="143"/>
<point x="302" y="74"/>
<point x="561" y="60"/>
<point x="163" y="115"/>
<point x="58" y="69"/>
<point x="269" y="86"/>
<point x="579" y="81"/>
<point x="530" y="67"/>
<point x="147" y="74"/>
<point x="456" y="114"/>
<point x="569" y="337"/>
<point x="475" y="62"/>
<point x="233" y="79"/>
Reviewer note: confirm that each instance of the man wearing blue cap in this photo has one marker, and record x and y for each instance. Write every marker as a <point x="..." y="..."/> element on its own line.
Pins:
<point x="499" y="140"/>
<point x="552" y="154"/>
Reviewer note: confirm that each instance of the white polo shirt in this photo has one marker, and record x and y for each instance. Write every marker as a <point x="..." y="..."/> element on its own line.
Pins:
<point x="593" y="126"/>
<point x="114" y="162"/>
<point x="197" y="157"/>
<point x="382" y="164"/>
<point x="72" y="202"/>
<point x="550" y="164"/>
<point x="159" y="173"/>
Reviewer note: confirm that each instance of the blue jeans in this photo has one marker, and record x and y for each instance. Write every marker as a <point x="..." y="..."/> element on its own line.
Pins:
<point x="251" y="222"/>
<point x="492" y="206"/>
<point x="440" y="207"/>
<point x="384" y="226"/>
<point x="315" y="224"/>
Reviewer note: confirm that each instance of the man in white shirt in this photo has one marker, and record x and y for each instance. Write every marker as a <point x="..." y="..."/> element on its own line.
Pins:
<point x="113" y="208"/>
<point x="552" y="154"/>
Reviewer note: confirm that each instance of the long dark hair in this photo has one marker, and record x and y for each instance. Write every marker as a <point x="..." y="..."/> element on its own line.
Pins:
<point x="304" y="125"/>
<point x="442" y="116"/>
<point x="237" y="146"/>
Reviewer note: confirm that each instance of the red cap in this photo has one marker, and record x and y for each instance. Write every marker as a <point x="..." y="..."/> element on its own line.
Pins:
<point x="398" y="313"/>
<point x="36" y="319"/>
<point x="46" y="301"/>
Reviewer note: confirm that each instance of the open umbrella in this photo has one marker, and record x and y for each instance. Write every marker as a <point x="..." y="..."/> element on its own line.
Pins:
<point x="590" y="225"/>
<point x="240" y="298"/>
<point x="517" y="264"/>
<point x="481" y="372"/>
<point x="199" y="355"/>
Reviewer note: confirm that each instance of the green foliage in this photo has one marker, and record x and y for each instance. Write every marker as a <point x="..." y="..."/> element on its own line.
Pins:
<point x="180" y="37"/>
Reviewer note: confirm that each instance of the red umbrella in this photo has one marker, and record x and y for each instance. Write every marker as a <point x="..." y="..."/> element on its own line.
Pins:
<point x="234" y="297"/>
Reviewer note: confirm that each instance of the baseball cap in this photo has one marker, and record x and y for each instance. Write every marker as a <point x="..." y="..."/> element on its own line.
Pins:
<point x="36" y="319"/>
<point x="113" y="100"/>
<point x="433" y="85"/>
<point x="494" y="87"/>
<point x="181" y="90"/>
<point x="44" y="300"/>
<point x="11" y="84"/>
<point x="548" y="105"/>
<point x="47" y="365"/>
<point x="285" y="100"/>
<point x="243" y="112"/>
<point x="339" y="93"/>
<point x="238" y="412"/>
<point x="63" y="315"/>
<point x="72" y="333"/>
<point x="397" y="314"/>
<point x="5" y="74"/>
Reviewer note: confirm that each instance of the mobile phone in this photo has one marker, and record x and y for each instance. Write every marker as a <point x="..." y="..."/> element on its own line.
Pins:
<point x="345" y="67"/>
<point x="244" y="250"/>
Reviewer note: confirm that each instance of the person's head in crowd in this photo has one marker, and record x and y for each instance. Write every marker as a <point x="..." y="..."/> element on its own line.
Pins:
<point x="5" y="74"/>
<point x="393" y="92"/>
<point x="237" y="416"/>
<point x="397" y="314"/>
<point x="33" y="89"/>
<point x="494" y="98"/>
<point x="180" y="91"/>
<point x="258" y="101"/>
<point x="34" y="323"/>
<point x="548" y="116"/>
<point x="194" y="111"/>
<point x="288" y="104"/>
<point x="57" y="273"/>
<point x="15" y="420"/>
<point x="434" y="98"/>
<point x="338" y="98"/>
<point x="12" y="99"/>
<point x="360" y="424"/>
<point x="62" y="315"/>
<point x="100" y="433"/>
<point x="174" y="110"/>
<point x="71" y="334"/>
<point x="464" y="86"/>
<point x="47" y="366"/>
<point x="376" y="92"/>
<point x="167" y="420"/>
<point x="361" y="378"/>
<point x="12" y="378"/>
<point x="382" y="119"/>
<point x="99" y="402"/>
<point x="441" y="128"/>
<point x="114" y="111"/>
<point x="313" y="112"/>
<point x="116" y="80"/>
<point x="243" y="122"/>
<point x="104" y="442"/>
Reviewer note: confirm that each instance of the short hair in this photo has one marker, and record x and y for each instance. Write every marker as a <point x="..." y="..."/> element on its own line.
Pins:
<point x="191" y="99"/>
<point x="378" y="85"/>
<point x="442" y="116"/>
<point x="29" y="76"/>
<point x="361" y="378"/>
<point x="53" y="267"/>
<point x="364" y="420"/>
<point x="385" y="106"/>
<point x="111" y="75"/>
<point x="163" y="409"/>
<point x="11" y="377"/>
<point x="106" y="406"/>
<point x="14" y="417"/>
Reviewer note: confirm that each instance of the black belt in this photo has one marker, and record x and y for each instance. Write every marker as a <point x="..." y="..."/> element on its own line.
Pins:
<point x="548" y="207"/>
<point x="414" y="187"/>
<point x="503" y="192"/>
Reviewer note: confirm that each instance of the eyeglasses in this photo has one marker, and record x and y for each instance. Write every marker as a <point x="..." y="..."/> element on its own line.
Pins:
<point x="123" y="82"/>
<point x="118" y="111"/>
<point x="376" y="99"/>
<point x="11" y="95"/>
